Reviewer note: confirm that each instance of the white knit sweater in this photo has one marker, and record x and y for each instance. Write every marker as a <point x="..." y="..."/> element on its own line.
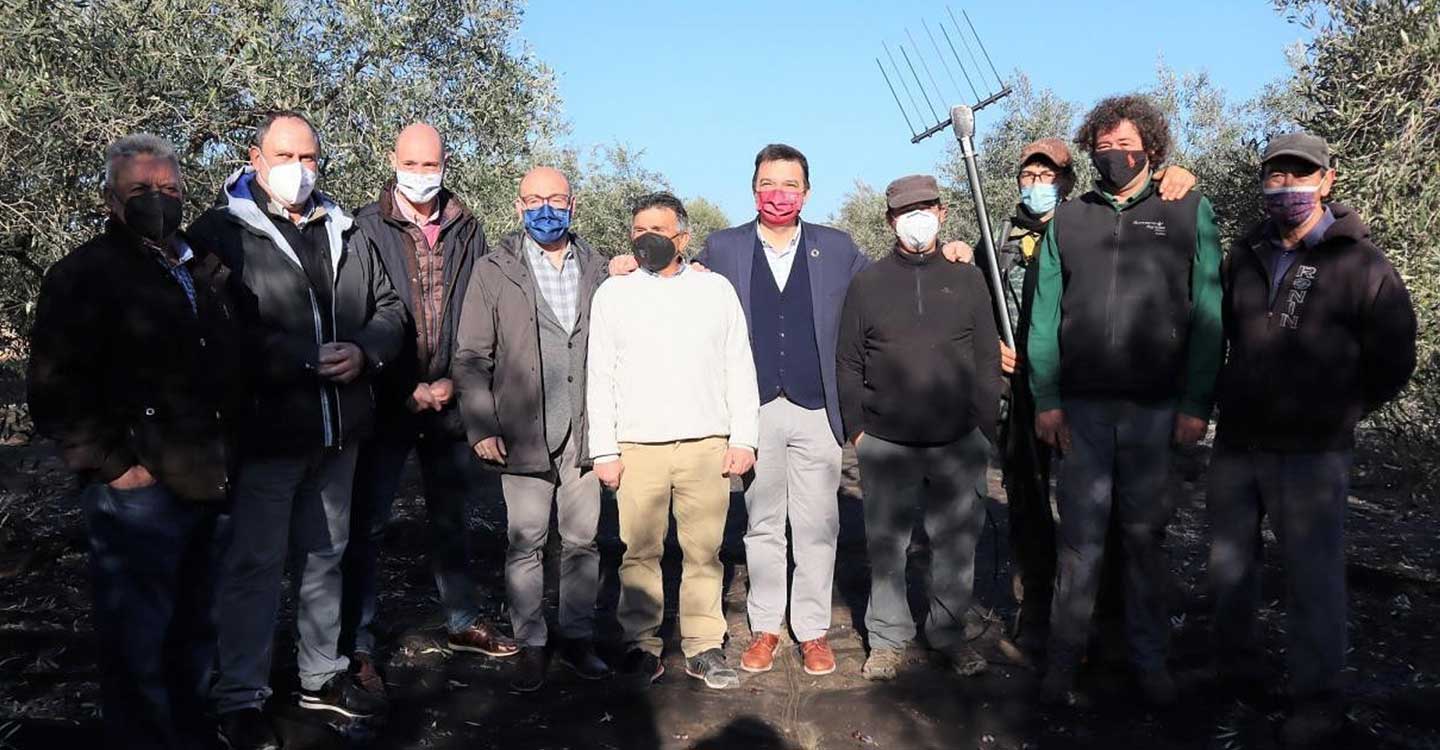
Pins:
<point x="669" y="360"/>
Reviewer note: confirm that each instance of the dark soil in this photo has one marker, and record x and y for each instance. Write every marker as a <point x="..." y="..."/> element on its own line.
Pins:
<point x="49" y="696"/>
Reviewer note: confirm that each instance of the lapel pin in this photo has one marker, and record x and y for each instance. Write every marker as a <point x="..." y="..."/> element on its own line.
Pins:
<point x="814" y="252"/>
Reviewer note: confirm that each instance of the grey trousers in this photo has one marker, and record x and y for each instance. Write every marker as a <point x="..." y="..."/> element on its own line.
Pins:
<point x="899" y="482"/>
<point x="1304" y="495"/>
<point x="528" y="499"/>
<point x="796" y="478"/>
<point x="1119" y="463"/>
<point x="283" y="504"/>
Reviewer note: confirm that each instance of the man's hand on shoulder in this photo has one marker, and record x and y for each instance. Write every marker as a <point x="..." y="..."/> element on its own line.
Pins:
<point x="956" y="251"/>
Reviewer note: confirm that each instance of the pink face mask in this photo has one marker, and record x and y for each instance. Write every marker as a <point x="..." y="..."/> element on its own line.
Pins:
<point x="779" y="207"/>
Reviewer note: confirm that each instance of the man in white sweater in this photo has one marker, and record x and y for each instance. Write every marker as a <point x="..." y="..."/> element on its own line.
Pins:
<point x="674" y="411"/>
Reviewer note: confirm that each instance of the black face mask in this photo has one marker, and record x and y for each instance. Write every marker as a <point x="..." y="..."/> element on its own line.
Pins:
<point x="1117" y="167"/>
<point x="153" y="216"/>
<point x="654" y="251"/>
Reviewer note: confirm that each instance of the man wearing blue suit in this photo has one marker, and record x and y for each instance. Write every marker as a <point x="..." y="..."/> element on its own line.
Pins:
<point x="791" y="276"/>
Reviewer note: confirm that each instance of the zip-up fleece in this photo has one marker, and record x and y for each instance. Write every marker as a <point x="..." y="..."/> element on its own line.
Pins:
<point x="919" y="359"/>
<point x="293" y="407"/>
<point x="1127" y="303"/>
<point x="1336" y="343"/>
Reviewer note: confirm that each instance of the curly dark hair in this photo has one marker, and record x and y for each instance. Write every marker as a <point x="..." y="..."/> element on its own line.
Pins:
<point x="1140" y="111"/>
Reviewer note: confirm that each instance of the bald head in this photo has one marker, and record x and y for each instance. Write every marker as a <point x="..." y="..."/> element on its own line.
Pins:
<point x="544" y="182"/>
<point x="418" y="148"/>
<point x="541" y="186"/>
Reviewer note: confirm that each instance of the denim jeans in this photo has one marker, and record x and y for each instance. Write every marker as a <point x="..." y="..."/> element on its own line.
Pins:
<point x="1118" y="463"/>
<point x="283" y="504"/>
<point x="450" y="473"/>
<point x="1304" y="494"/>
<point x="153" y="558"/>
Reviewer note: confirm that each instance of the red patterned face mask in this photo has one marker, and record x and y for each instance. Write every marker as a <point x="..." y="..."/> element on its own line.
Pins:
<point x="779" y="208"/>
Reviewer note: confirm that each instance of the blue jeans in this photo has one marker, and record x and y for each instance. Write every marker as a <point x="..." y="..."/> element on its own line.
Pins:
<point x="1304" y="495"/>
<point x="1119" y="463"/>
<point x="449" y="472"/>
<point x="153" y="560"/>
<point x="298" y="504"/>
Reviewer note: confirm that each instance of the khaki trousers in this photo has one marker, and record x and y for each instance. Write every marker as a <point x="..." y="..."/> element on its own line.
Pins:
<point x="690" y="472"/>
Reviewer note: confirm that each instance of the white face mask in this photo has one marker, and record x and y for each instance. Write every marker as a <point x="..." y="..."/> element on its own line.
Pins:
<point x="291" y="183"/>
<point x="917" y="229"/>
<point x="419" y="187"/>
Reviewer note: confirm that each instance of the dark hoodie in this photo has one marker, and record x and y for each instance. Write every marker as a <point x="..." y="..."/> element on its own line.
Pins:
<point x="1336" y="343"/>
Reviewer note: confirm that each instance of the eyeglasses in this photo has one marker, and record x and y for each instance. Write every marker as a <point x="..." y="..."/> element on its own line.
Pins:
<point x="1030" y="177"/>
<point x="559" y="201"/>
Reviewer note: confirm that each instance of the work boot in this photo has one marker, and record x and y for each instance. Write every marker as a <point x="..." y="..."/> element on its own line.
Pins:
<point x="966" y="661"/>
<point x="882" y="665"/>
<point x="760" y="656"/>
<point x="818" y="657"/>
<point x="579" y="657"/>
<point x="362" y="668"/>
<point x="530" y="670"/>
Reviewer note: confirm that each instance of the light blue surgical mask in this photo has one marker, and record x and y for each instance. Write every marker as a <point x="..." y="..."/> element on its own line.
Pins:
<point x="1040" y="198"/>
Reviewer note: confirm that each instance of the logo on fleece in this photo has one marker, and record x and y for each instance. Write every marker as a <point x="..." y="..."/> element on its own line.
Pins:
<point x="1295" y="300"/>
<point x="1156" y="227"/>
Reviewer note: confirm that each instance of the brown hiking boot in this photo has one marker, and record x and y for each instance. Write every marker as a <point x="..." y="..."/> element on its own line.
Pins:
<point x="819" y="659"/>
<point x="760" y="656"/>
<point x="480" y="638"/>
<point x="362" y="667"/>
<point x="882" y="665"/>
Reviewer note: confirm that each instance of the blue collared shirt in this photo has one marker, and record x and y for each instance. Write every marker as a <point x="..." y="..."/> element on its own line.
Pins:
<point x="180" y="271"/>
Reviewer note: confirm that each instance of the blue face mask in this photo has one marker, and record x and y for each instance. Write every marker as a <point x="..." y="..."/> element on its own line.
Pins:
<point x="1040" y="198"/>
<point x="547" y="224"/>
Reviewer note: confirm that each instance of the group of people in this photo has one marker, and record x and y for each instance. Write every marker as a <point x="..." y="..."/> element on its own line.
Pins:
<point x="249" y="390"/>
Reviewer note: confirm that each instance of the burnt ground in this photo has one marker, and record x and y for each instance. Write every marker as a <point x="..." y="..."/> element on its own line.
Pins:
<point x="48" y="691"/>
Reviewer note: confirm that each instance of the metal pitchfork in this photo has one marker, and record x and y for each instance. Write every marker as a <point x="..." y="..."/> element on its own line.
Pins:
<point x="961" y="119"/>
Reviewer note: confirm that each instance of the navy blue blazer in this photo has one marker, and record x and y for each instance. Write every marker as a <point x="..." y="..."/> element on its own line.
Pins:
<point x="833" y="260"/>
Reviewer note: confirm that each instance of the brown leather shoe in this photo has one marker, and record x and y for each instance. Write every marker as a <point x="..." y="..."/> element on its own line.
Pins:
<point x="760" y="657"/>
<point x="480" y="638"/>
<point x="819" y="659"/>
<point x="362" y="667"/>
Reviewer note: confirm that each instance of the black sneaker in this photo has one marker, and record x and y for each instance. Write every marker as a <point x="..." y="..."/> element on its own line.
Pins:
<point x="247" y="729"/>
<point x="580" y="657"/>
<point x="644" y="666"/>
<point x="530" y="671"/>
<point x="342" y="695"/>
<point x="710" y="666"/>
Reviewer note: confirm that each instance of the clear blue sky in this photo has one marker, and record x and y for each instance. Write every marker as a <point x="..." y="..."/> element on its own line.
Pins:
<point x="701" y="86"/>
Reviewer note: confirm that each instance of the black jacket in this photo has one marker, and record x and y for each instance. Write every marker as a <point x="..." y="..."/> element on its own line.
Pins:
<point x="1125" y="309"/>
<point x="123" y="371"/>
<point x="462" y="241"/>
<point x="919" y="359"/>
<point x="291" y="407"/>
<point x="1337" y="342"/>
<point x="497" y="368"/>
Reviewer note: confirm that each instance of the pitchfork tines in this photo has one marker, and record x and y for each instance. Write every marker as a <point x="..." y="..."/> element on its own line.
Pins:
<point x="979" y="87"/>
